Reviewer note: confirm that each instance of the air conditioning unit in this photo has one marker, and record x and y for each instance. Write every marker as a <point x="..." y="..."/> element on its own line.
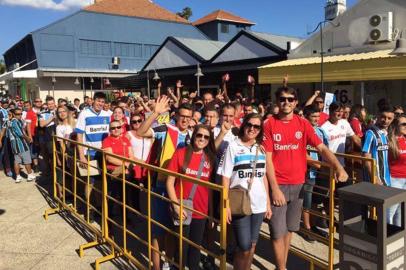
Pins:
<point x="381" y="27"/>
<point x="116" y="60"/>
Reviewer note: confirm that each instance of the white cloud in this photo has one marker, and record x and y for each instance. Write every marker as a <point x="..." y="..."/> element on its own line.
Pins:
<point x="47" y="4"/>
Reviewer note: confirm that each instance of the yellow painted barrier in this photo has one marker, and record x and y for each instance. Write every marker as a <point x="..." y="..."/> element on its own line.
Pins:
<point x="68" y="193"/>
<point x="72" y="200"/>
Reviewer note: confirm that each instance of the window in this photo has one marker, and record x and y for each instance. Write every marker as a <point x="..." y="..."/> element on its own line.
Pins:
<point x="128" y="49"/>
<point x="224" y="28"/>
<point x="95" y="47"/>
<point x="149" y="50"/>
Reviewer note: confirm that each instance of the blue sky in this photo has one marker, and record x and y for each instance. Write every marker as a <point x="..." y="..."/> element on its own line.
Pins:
<point x="294" y="17"/>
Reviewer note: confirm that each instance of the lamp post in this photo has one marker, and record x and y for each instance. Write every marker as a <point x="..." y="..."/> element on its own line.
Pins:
<point x="198" y="74"/>
<point x="91" y="86"/>
<point x="321" y="25"/>
<point x="155" y="78"/>
<point x="53" y="86"/>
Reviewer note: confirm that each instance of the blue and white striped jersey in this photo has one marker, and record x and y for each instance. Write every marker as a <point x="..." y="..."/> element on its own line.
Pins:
<point x="376" y="143"/>
<point x="94" y="126"/>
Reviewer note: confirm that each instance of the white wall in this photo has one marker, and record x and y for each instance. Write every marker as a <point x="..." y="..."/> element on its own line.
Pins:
<point x="352" y="33"/>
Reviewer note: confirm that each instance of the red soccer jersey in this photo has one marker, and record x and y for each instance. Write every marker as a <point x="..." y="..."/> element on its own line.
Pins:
<point x="398" y="167"/>
<point x="287" y="140"/>
<point x="357" y="127"/>
<point x="323" y="118"/>
<point x="120" y="146"/>
<point x="201" y="198"/>
<point x="32" y="118"/>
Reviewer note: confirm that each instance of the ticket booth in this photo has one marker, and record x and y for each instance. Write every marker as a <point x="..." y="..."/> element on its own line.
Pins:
<point x="367" y="242"/>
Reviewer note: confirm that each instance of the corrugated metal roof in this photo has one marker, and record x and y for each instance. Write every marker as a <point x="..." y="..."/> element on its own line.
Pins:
<point x="204" y="48"/>
<point x="332" y="59"/>
<point x="278" y="40"/>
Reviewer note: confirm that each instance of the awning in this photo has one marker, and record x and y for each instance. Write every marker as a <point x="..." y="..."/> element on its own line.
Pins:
<point x="20" y="74"/>
<point x="378" y="65"/>
<point x="56" y="72"/>
<point x="23" y="74"/>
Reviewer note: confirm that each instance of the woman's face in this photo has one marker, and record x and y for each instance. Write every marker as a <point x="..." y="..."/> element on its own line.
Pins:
<point x="252" y="129"/>
<point x="62" y="113"/>
<point x="136" y="122"/>
<point x="202" y="138"/>
<point x="402" y="126"/>
<point x="115" y="129"/>
<point x="118" y="114"/>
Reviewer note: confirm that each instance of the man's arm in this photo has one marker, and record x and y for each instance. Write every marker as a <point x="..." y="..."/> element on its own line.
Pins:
<point x="356" y="140"/>
<point x="278" y="199"/>
<point x="330" y="158"/>
<point x="161" y="107"/>
<point x="225" y="127"/>
<point x="312" y="98"/>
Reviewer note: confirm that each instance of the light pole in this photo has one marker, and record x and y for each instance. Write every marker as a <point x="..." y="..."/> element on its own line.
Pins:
<point x="198" y="74"/>
<point x="155" y="78"/>
<point x="320" y="25"/>
<point x="53" y="86"/>
<point x="91" y="86"/>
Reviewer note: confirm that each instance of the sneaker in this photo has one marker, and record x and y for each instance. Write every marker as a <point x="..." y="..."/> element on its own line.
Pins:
<point x="319" y="232"/>
<point x="306" y="237"/>
<point x="19" y="179"/>
<point x="166" y="266"/>
<point x="9" y="173"/>
<point x="31" y="177"/>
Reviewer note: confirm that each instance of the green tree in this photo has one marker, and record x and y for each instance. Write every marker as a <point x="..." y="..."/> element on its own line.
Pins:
<point x="186" y="13"/>
<point x="2" y="66"/>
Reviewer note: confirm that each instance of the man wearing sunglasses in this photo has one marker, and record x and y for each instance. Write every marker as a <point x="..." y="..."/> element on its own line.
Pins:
<point x="168" y="138"/>
<point x="286" y="137"/>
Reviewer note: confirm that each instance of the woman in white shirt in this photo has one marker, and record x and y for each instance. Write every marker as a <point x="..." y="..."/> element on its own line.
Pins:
<point x="243" y="165"/>
<point x="64" y="129"/>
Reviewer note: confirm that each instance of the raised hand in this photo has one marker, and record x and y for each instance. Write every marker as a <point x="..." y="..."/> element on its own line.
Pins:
<point x="162" y="105"/>
<point x="179" y="84"/>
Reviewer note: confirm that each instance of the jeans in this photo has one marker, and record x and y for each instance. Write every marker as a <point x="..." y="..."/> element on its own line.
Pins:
<point x="394" y="214"/>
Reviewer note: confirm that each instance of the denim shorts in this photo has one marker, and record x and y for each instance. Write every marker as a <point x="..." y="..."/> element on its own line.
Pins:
<point x="246" y="230"/>
<point x="23" y="158"/>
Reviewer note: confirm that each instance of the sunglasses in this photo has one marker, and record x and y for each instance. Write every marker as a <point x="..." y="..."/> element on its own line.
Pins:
<point x="257" y="127"/>
<point x="402" y="124"/>
<point x="200" y="136"/>
<point x="61" y="111"/>
<point x="136" y="121"/>
<point x="36" y="101"/>
<point x="114" y="128"/>
<point x="18" y="114"/>
<point x="289" y="99"/>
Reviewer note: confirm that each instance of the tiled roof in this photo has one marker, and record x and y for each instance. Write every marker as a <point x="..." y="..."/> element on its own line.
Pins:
<point x="135" y="8"/>
<point x="221" y="15"/>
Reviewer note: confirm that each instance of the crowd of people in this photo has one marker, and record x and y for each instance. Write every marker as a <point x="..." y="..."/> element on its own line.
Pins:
<point x="258" y="150"/>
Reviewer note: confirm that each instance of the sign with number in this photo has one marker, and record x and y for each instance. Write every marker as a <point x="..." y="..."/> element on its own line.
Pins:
<point x="344" y="94"/>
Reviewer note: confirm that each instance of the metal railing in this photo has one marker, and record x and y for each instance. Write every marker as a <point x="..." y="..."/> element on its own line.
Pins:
<point x="102" y="229"/>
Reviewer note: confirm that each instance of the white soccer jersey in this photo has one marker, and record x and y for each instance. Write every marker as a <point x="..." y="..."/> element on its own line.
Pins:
<point x="237" y="164"/>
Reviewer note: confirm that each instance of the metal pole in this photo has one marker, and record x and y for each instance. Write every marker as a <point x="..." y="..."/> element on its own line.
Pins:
<point x="53" y="90"/>
<point x="198" y="86"/>
<point x="148" y="87"/>
<point x="322" y="58"/>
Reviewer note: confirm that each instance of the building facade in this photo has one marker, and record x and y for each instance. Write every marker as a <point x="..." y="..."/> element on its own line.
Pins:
<point x="109" y="39"/>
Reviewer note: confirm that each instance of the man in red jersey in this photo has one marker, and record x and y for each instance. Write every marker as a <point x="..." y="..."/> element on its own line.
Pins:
<point x="285" y="139"/>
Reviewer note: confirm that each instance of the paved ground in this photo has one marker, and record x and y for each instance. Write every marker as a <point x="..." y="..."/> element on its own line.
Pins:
<point x="27" y="241"/>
